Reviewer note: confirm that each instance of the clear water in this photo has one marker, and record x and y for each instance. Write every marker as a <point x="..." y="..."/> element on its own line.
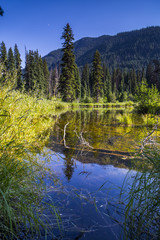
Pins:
<point x="92" y="157"/>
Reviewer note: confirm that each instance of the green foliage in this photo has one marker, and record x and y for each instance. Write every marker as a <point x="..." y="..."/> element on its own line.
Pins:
<point x="112" y="97"/>
<point x="142" y="215"/>
<point x="98" y="83"/>
<point x="53" y="82"/>
<point x="85" y="84"/>
<point x="3" y="54"/>
<point x="36" y="74"/>
<point x="148" y="98"/>
<point x="123" y="96"/>
<point x="68" y="83"/>
<point x="24" y="125"/>
<point x="7" y="77"/>
<point x="97" y="76"/>
<point x="87" y="100"/>
<point x="77" y="83"/>
<point x="18" y="61"/>
<point x="11" y="60"/>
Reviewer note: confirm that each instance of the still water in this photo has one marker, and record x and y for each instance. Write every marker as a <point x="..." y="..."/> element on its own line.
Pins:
<point x="92" y="156"/>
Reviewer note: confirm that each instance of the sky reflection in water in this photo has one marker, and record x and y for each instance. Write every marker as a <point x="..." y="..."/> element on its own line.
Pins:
<point x="89" y="197"/>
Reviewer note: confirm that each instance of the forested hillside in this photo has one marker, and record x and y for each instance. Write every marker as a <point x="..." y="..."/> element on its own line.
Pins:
<point x="96" y="81"/>
<point x="133" y="49"/>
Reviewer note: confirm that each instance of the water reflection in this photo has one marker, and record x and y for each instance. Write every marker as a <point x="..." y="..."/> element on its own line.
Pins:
<point x="69" y="163"/>
<point x="95" y="149"/>
<point x="96" y="136"/>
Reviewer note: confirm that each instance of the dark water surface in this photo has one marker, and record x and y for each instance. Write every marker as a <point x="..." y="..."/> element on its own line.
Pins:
<point x="92" y="154"/>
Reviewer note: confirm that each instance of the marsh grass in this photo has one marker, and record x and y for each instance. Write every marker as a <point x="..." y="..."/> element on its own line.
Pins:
<point x="142" y="213"/>
<point x="24" y="125"/>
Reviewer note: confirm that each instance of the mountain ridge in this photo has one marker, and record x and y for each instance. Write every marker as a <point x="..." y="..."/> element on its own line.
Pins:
<point x="131" y="49"/>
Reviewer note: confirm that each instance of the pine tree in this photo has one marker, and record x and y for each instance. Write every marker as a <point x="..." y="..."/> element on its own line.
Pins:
<point x="85" y="86"/>
<point x="67" y="79"/>
<point x="134" y="82"/>
<point x="77" y="83"/>
<point x="50" y="84"/>
<point x="97" y="76"/>
<point x="41" y="85"/>
<point x="1" y="11"/>
<point x="29" y="71"/>
<point x="11" y="74"/>
<point x="46" y="77"/>
<point x="104" y="81"/>
<point x="3" y="62"/>
<point x="155" y="75"/>
<point x="114" y="79"/>
<point x="3" y="54"/>
<point x="36" y="74"/>
<point x="11" y="61"/>
<point x="122" y="92"/>
<point x="108" y="93"/>
<point x="18" y="66"/>
<point x="53" y="82"/>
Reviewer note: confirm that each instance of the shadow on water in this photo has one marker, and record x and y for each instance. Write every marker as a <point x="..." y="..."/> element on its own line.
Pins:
<point x="92" y="155"/>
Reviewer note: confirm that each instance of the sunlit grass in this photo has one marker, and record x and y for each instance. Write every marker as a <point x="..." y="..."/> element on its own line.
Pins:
<point x="142" y="213"/>
<point x="24" y="131"/>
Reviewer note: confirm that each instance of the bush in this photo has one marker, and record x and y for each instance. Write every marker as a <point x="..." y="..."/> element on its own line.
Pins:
<point x="148" y="98"/>
<point x="123" y="97"/>
<point x="87" y="100"/>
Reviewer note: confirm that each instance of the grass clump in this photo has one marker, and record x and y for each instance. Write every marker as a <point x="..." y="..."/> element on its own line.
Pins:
<point x="24" y="125"/>
<point x="142" y="214"/>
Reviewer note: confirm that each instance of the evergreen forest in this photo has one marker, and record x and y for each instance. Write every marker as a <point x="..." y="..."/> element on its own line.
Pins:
<point x="92" y="83"/>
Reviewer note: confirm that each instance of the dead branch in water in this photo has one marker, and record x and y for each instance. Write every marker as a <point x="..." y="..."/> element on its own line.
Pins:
<point x="82" y="140"/>
<point x="64" y="135"/>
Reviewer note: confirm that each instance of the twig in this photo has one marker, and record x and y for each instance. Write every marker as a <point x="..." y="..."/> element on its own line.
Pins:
<point x="82" y="140"/>
<point x="65" y="135"/>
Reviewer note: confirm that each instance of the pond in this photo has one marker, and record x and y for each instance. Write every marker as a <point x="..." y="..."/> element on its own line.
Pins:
<point x="92" y="154"/>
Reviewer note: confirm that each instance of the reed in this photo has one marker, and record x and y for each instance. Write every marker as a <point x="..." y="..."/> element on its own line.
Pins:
<point x="24" y="131"/>
<point x="142" y="213"/>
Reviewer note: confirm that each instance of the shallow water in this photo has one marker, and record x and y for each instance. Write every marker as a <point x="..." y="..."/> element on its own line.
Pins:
<point x="92" y="155"/>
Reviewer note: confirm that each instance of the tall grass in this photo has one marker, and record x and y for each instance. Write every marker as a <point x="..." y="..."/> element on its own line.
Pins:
<point x="24" y="130"/>
<point x="142" y="215"/>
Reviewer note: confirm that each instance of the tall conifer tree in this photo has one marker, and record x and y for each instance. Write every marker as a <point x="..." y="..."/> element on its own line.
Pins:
<point x="3" y="54"/>
<point x="11" y="61"/>
<point x="85" y="87"/>
<point x="67" y="79"/>
<point x="108" y="93"/>
<point x="1" y="11"/>
<point x="97" y="76"/>
<point x="53" y="82"/>
<point x="18" y="66"/>
<point x="77" y="83"/>
<point x="46" y="77"/>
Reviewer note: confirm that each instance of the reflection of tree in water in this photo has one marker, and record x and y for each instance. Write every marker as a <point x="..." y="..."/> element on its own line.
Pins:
<point x="89" y="134"/>
<point x="69" y="163"/>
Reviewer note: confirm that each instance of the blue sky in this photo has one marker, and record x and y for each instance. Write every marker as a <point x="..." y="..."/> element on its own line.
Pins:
<point x="38" y="24"/>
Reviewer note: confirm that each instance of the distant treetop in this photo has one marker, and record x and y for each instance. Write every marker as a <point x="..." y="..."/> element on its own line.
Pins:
<point x="1" y="11"/>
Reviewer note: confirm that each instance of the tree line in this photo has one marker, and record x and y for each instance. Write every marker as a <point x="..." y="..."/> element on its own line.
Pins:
<point x="88" y="84"/>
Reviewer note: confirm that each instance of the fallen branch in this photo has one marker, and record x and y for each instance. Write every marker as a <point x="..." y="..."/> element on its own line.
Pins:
<point x="64" y="135"/>
<point x="82" y="140"/>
